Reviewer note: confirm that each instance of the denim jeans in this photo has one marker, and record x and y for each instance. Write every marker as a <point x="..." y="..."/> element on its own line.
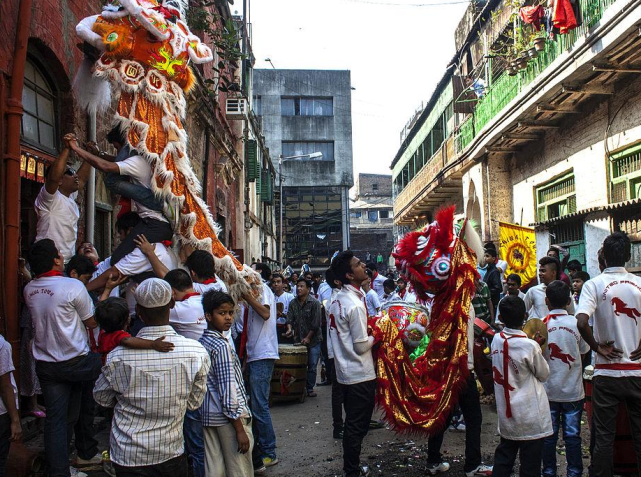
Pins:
<point x="123" y="186"/>
<point x="260" y="377"/>
<point x="566" y="415"/>
<point x="313" y="353"/>
<point x="62" y="392"/>
<point x="85" y="431"/>
<point x="195" y="441"/>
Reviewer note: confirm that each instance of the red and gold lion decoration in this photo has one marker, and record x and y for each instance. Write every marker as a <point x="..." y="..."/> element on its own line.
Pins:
<point x="418" y="392"/>
<point x="146" y="54"/>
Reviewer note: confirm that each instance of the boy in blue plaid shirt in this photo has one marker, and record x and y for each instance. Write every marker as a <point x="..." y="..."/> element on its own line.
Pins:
<point x="225" y="412"/>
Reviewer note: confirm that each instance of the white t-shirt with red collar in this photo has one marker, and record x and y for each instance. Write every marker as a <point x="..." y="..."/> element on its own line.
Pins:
<point x="563" y="354"/>
<point x="58" y="307"/>
<point x="528" y="414"/>
<point x="187" y="317"/>
<point x="216" y="284"/>
<point x="348" y="325"/>
<point x="614" y="300"/>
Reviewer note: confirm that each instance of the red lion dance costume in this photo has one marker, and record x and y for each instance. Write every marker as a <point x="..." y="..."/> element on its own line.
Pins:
<point x="440" y="260"/>
<point x="147" y="49"/>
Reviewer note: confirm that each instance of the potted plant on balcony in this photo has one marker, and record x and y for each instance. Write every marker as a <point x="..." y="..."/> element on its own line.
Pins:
<point x="539" y="43"/>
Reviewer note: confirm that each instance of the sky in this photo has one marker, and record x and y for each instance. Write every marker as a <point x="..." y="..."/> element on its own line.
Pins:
<point x="396" y="52"/>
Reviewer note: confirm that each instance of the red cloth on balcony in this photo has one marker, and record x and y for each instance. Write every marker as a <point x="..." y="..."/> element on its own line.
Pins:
<point x="532" y="15"/>
<point x="563" y="16"/>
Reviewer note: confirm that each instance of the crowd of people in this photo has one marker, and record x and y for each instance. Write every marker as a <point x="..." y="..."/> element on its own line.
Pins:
<point x="182" y="371"/>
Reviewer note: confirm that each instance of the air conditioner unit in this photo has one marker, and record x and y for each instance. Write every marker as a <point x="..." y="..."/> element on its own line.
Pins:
<point x="236" y="108"/>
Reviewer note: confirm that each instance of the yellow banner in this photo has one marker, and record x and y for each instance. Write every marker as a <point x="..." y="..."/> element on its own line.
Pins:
<point x="517" y="246"/>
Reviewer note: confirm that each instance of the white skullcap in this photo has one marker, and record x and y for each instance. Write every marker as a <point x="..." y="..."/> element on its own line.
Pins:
<point x="153" y="293"/>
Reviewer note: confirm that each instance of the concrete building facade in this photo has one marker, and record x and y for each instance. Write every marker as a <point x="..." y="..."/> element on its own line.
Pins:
<point x="304" y="113"/>
<point x="371" y="219"/>
<point x="552" y="144"/>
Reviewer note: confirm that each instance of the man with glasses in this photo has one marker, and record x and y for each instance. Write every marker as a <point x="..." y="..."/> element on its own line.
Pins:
<point x="56" y="206"/>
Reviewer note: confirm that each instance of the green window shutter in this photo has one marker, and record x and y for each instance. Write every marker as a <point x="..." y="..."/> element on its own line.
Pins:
<point x="251" y="160"/>
<point x="266" y="187"/>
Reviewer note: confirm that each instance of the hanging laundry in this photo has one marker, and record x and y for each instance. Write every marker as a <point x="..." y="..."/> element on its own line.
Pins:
<point x="532" y="15"/>
<point x="563" y="16"/>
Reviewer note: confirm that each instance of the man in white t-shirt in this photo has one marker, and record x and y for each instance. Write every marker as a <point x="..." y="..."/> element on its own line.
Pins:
<point x="56" y="206"/>
<point x="259" y="334"/>
<point x="153" y="223"/>
<point x="282" y="298"/>
<point x="10" y="427"/>
<point x="564" y="387"/>
<point x="372" y="302"/>
<point x="549" y="270"/>
<point x="352" y="348"/>
<point x="377" y="280"/>
<point x="62" y="314"/>
<point x="614" y="300"/>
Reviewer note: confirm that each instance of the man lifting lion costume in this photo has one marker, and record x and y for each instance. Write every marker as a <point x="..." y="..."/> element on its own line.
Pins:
<point x="146" y="50"/>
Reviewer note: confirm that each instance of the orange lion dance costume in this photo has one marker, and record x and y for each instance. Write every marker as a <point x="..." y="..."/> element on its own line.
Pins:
<point x="147" y="49"/>
<point x="418" y="396"/>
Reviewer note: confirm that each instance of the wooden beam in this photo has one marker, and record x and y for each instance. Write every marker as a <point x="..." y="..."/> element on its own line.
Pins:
<point x="588" y="89"/>
<point x="500" y="149"/>
<point x="521" y="136"/>
<point x="537" y="125"/>
<point x="553" y="108"/>
<point x="615" y="69"/>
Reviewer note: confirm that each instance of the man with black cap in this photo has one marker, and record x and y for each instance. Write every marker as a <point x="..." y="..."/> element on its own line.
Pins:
<point x="152" y="393"/>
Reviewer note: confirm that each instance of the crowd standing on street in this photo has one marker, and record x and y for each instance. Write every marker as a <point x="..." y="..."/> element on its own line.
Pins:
<point x="151" y="339"/>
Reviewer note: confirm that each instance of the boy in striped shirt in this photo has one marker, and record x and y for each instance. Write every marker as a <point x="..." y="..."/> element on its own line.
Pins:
<point x="225" y="413"/>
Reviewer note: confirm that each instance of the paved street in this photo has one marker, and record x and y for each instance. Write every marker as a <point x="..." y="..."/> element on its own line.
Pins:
<point x="306" y="447"/>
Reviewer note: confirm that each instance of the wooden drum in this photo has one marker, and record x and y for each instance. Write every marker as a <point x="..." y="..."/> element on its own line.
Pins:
<point x="290" y="374"/>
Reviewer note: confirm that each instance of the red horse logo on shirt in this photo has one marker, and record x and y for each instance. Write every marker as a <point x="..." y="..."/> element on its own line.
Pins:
<point x="621" y="308"/>
<point x="498" y="379"/>
<point x="332" y="322"/>
<point x="557" y="353"/>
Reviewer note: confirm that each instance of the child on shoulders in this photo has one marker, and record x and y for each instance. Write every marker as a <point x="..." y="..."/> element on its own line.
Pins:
<point x="521" y="403"/>
<point x="565" y="386"/>
<point x="225" y="412"/>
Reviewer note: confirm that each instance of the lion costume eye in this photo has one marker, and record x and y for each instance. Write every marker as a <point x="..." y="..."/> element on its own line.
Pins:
<point x="441" y="268"/>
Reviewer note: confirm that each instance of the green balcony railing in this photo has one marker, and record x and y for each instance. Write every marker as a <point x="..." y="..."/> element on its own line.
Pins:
<point x="507" y="87"/>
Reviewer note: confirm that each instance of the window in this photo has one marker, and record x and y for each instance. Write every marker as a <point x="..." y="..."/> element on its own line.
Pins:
<point x="625" y="174"/>
<point x="102" y="230"/>
<point x="375" y="186"/>
<point x="257" y="105"/>
<point x="312" y="225"/>
<point x="383" y="214"/>
<point x="570" y="234"/>
<point x="39" y="119"/>
<point x="307" y="106"/>
<point x="301" y="148"/>
<point x="556" y="198"/>
<point x="356" y="214"/>
<point x="372" y="215"/>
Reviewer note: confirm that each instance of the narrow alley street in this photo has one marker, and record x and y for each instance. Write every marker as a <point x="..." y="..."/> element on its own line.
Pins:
<point x="306" y="448"/>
